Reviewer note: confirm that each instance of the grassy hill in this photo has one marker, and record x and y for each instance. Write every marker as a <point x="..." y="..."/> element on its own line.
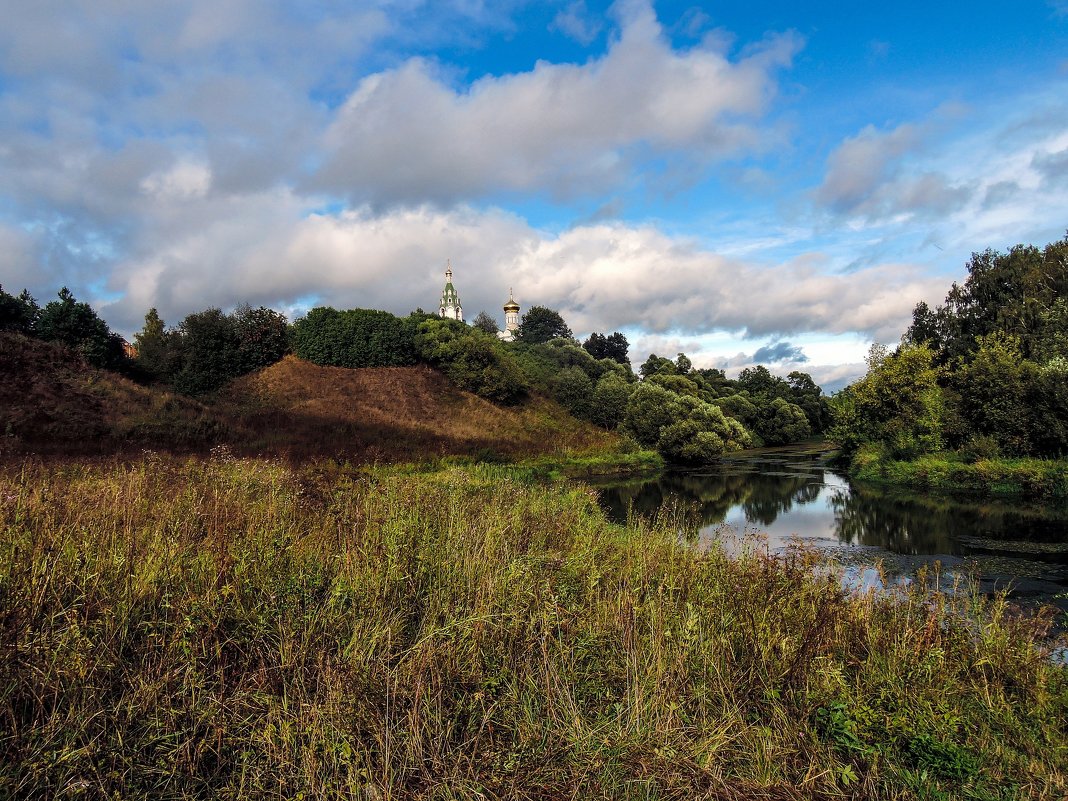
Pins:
<point x="52" y="402"/>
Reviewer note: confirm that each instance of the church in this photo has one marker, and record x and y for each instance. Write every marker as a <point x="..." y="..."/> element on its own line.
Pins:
<point x="450" y="307"/>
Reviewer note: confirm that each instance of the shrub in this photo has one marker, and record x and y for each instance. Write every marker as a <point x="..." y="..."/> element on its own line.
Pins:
<point x="471" y="359"/>
<point x="609" y="400"/>
<point x="355" y="338"/>
<point x="574" y="391"/>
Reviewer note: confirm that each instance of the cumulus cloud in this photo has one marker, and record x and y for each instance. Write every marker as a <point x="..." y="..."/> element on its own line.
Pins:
<point x="601" y="277"/>
<point x="406" y="134"/>
<point x="865" y="177"/>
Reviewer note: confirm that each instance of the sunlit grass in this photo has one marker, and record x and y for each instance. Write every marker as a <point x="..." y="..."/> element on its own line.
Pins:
<point x="228" y="628"/>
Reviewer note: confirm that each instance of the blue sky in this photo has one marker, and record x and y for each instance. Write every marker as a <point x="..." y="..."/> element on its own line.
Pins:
<point x="762" y="180"/>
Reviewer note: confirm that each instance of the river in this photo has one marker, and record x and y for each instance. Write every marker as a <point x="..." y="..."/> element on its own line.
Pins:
<point x="792" y="495"/>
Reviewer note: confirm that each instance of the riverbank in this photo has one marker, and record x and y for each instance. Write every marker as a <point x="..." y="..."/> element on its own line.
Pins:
<point x="1039" y="479"/>
<point x="242" y="628"/>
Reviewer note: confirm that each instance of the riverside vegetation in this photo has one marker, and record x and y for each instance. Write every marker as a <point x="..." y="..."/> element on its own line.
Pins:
<point x="240" y="628"/>
<point x="976" y="395"/>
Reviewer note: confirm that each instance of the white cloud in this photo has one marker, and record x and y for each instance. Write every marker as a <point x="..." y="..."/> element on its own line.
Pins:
<point x="866" y="177"/>
<point x="186" y="180"/>
<point x="404" y="134"/>
<point x="575" y="22"/>
<point x="601" y="277"/>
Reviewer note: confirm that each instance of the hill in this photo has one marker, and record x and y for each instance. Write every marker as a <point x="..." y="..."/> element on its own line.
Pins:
<point x="51" y="401"/>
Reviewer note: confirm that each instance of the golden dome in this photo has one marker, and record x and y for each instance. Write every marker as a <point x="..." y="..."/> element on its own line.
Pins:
<point x="511" y="305"/>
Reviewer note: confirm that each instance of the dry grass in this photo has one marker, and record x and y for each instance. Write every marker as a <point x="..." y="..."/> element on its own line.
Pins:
<point x="51" y="402"/>
<point x="394" y="414"/>
<point x="238" y="629"/>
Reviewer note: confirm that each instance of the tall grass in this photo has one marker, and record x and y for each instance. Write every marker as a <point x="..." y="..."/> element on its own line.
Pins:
<point x="240" y="629"/>
<point x="1028" y="477"/>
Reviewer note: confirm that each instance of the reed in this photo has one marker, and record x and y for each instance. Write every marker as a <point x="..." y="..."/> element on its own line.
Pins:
<point x="240" y="628"/>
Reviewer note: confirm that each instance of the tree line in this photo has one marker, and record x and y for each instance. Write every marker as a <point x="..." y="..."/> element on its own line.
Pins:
<point x="690" y="415"/>
<point x="985" y="374"/>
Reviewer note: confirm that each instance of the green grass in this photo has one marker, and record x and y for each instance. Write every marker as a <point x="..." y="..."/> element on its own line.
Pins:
<point x="1030" y="478"/>
<point x="225" y="628"/>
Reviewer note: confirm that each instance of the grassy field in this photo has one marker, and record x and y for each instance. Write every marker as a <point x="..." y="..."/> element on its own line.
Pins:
<point x="231" y="628"/>
<point x="1044" y="479"/>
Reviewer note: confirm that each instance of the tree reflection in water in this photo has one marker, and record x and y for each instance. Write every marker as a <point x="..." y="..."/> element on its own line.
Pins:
<point x="789" y="493"/>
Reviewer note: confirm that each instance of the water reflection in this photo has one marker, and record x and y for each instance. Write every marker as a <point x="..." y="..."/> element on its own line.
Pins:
<point x="794" y="495"/>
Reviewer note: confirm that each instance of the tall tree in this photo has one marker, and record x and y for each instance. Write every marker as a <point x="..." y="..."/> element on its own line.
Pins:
<point x="151" y="344"/>
<point x="18" y="313"/>
<point x="614" y="346"/>
<point x="77" y="326"/>
<point x="484" y="322"/>
<point x="540" y="324"/>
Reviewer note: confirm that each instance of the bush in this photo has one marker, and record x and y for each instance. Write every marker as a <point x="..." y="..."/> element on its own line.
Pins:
<point x="609" y="401"/>
<point x="355" y="338"/>
<point x="574" y="391"/>
<point x="781" y="422"/>
<point x="471" y="359"/>
<point x="683" y="429"/>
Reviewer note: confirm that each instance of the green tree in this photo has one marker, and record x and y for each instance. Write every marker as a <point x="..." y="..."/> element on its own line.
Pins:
<point x="207" y="354"/>
<point x="760" y="383"/>
<point x="614" y="347"/>
<point x="804" y="392"/>
<point x="701" y="433"/>
<point x="898" y="405"/>
<point x="263" y="337"/>
<point x="676" y="383"/>
<point x="574" y="391"/>
<point x="657" y="365"/>
<point x="77" y="326"/>
<point x="540" y="324"/>
<point x="154" y="351"/>
<point x="684" y="429"/>
<point x="357" y="338"/>
<point x="485" y="323"/>
<point x="994" y="388"/>
<point x="781" y="422"/>
<point x="740" y="407"/>
<point x="18" y="313"/>
<point x="609" y="401"/>
<point x="471" y="359"/>
<point x="649" y="409"/>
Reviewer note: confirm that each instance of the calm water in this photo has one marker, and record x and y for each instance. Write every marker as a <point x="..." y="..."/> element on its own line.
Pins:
<point x="793" y="496"/>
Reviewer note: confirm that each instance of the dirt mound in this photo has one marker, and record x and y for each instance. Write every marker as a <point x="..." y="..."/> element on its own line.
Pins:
<point x="51" y="401"/>
<point x="391" y="413"/>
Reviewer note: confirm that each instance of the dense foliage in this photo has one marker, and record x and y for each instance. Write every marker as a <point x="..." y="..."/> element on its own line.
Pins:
<point x="209" y="348"/>
<point x="614" y="347"/>
<point x="18" y="313"/>
<point x="67" y="322"/>
<point x="701" y="413"/>
<point x="540" y="324"/>
<point x="355" y="338"/>
<point x="472" y="359"/>
<point x="985" y="374"/>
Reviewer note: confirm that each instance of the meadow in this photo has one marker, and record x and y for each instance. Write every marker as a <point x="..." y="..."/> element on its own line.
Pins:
<point x="221" y="627"/>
